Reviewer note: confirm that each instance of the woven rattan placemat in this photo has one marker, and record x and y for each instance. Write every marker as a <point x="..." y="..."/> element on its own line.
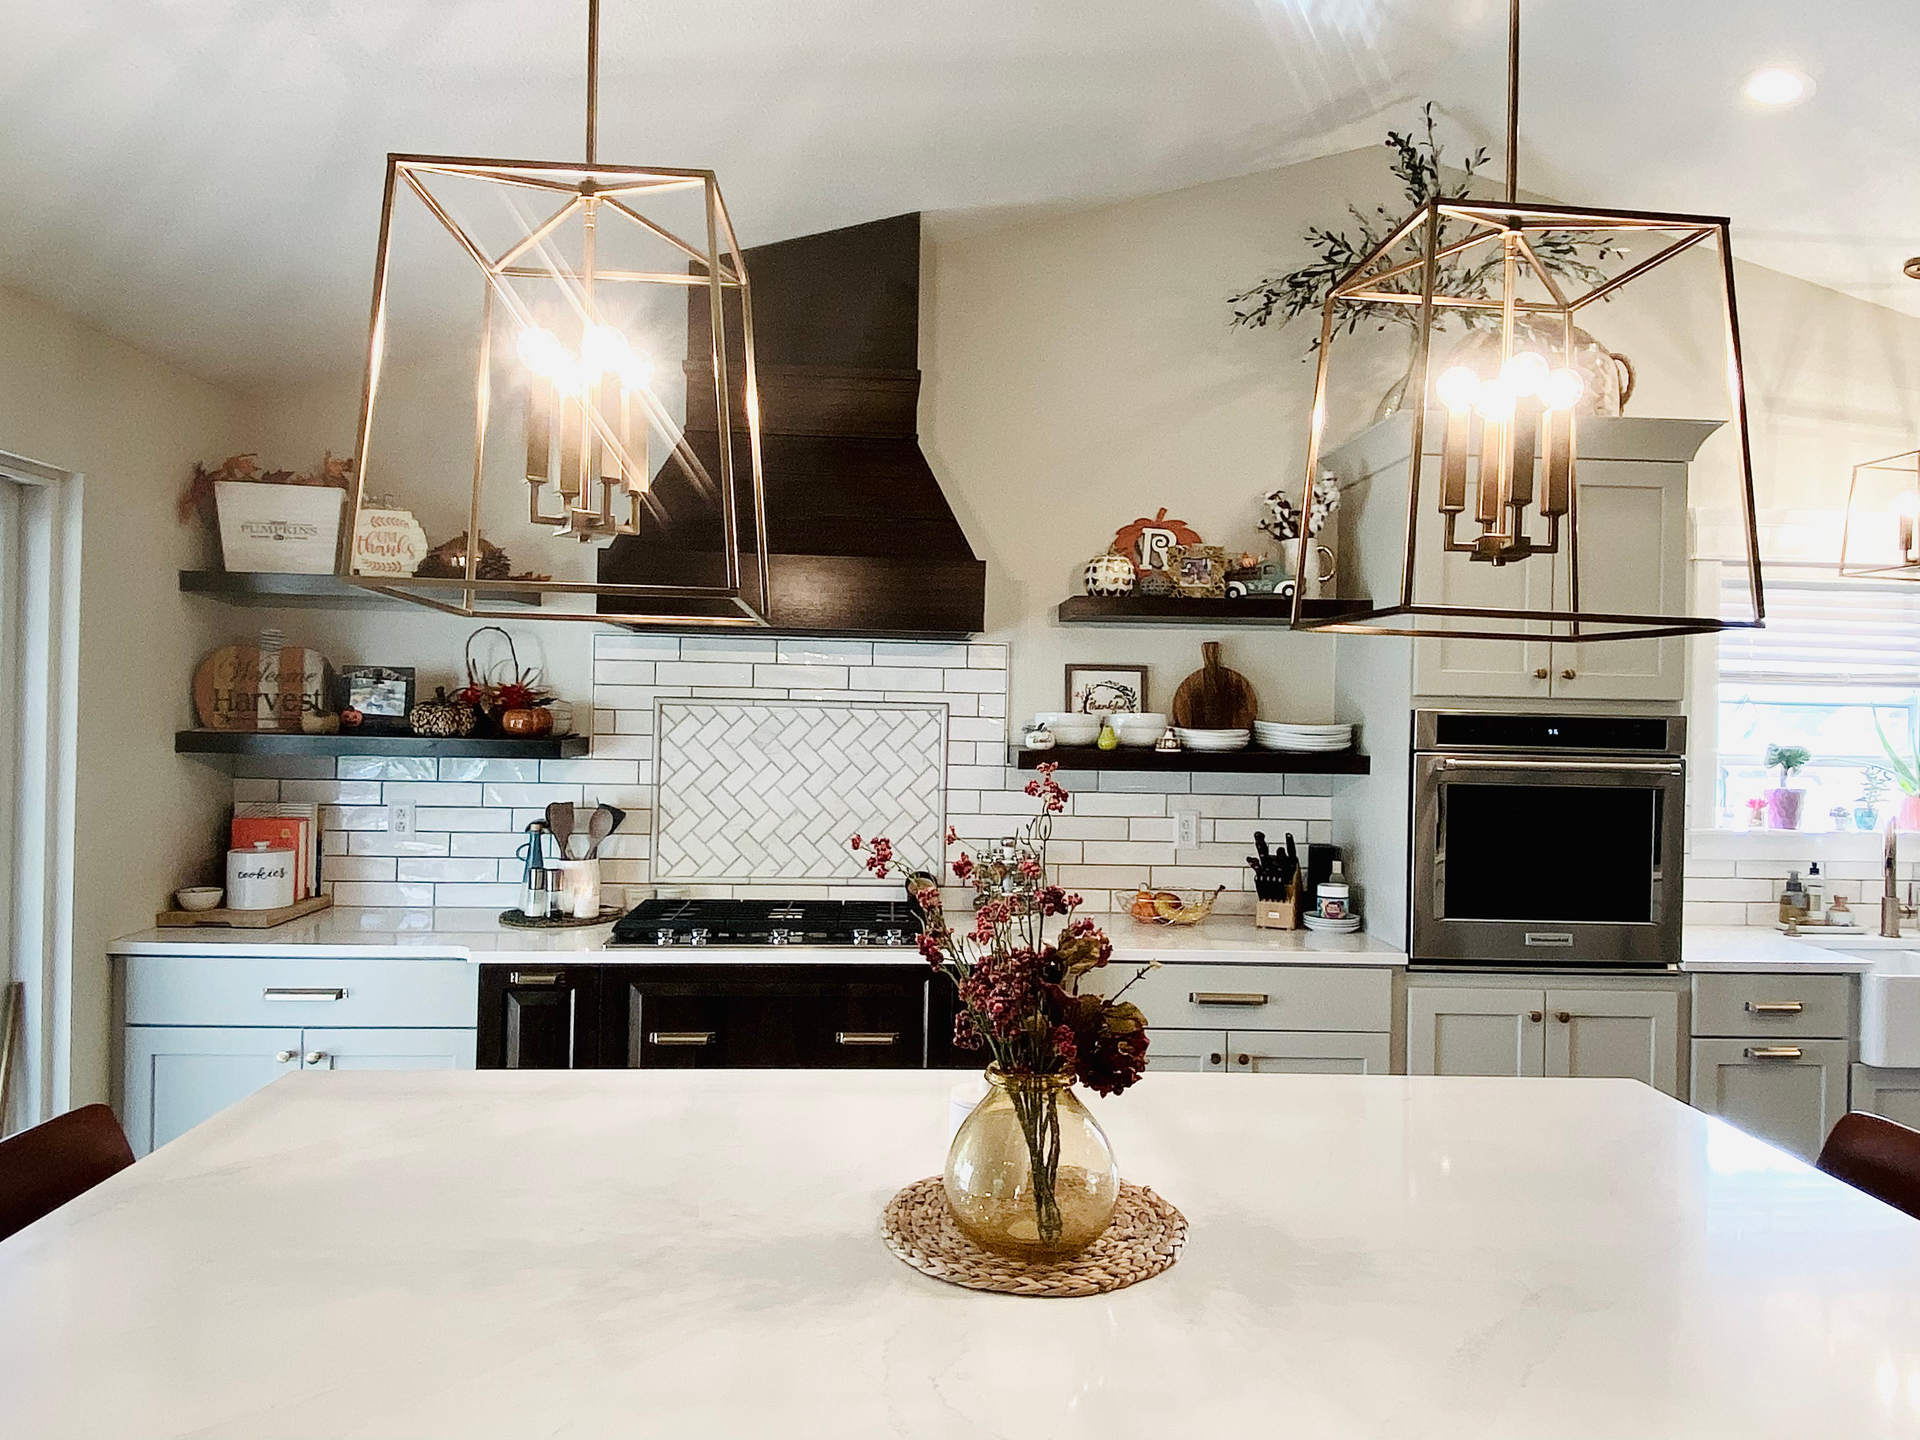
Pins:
<point x="1146" y="1236"/>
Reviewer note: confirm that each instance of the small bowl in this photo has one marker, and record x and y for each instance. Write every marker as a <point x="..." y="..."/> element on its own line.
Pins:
<point x="1154" y="906"/>
<point x="1139" y="731"/>
<point x="199" y="897"/>
<point x="1073" y="729"/>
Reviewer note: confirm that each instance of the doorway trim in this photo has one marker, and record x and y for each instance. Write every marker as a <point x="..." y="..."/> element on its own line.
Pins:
<point x="40" y="696"/>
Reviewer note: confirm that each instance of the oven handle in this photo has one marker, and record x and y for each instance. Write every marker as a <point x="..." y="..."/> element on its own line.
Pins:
<point x="1649" y="767"/>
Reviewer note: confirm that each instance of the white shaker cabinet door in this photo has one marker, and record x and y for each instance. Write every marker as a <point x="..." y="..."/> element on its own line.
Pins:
<point x="1623" y="1034"/>
<point x="1633" y="561"/>
<point x="1192" y="1050"/>
<point x="1791" y="1092"/>
<point x="1475" y="1031"/>
<point x="387" y="1049"/>
<point x="1301" y="1052"/>
<point x="179" y="1075"/>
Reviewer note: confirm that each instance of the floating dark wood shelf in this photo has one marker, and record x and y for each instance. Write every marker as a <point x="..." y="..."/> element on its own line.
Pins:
<point x="1243" y="762"/>
<point x="1176" y="610"/>
<point x="303" y="592"/>
<point x="270" y="742"/>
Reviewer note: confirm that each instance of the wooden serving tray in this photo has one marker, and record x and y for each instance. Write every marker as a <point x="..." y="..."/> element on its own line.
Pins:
<point x="245" y="919"/>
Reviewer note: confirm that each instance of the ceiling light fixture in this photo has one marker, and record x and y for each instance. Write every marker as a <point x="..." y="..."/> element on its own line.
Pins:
<point x="1504" y="480"/>
<point x="600" y="317"/>
<point x="1778" y="86"/>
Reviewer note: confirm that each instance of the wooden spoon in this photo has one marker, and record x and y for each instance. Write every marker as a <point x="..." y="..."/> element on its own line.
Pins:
<point x="599" y="826"/>
<point x="560" y="822"/>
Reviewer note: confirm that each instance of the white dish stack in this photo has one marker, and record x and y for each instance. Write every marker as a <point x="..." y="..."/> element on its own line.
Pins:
<point x="1302" y="739"/>
<point x="1212" y="741"/>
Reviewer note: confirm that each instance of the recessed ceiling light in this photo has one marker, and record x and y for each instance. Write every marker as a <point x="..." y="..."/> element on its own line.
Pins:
<point x="1778" y="85"/>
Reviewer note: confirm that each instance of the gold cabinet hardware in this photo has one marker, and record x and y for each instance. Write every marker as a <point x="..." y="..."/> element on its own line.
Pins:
<point x="1775" y="1007"/>
<point x="1773" y="1052"/>
<point x="866" y="1037"/>
<point x="680" y="1037"/>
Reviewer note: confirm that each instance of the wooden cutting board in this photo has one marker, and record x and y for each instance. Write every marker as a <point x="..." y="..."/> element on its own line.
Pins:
<point x="1214" y="697"/>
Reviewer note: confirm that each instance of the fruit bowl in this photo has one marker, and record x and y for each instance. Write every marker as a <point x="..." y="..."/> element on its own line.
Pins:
<point x="1172" y="907"/>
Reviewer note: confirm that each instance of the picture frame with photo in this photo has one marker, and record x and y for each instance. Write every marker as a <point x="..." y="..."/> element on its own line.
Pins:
<point x="1199" y="572"/>
<point x="381" y="696"/>
<point x="1106" y="689"/>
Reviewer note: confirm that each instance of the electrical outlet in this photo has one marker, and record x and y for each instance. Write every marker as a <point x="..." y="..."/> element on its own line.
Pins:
<point x="1186" y="829"/>
<point x="400" y="817"/>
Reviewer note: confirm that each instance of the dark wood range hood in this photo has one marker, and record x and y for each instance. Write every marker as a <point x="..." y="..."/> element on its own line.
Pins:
<point x="860" y="539"/>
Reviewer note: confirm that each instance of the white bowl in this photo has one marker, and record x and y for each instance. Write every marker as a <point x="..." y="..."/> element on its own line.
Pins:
<point x="1072" y="729"/>
<point x="199" y="897"/>
<point x="1139" y="731"/>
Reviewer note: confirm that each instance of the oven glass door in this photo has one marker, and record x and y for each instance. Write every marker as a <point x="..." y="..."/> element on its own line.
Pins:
<point x="1548" y="859"/>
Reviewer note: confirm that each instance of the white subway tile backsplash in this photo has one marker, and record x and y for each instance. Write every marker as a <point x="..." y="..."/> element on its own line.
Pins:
<point x="748" y="648"/>
<point x="469" y="768"/>
<point x="379" y="842"/>
<point x="987" y="657"/>
<point x="499" y="844"/>
<point x="474" y="870"/>
<point x="490" y="897"/>
<point x="531" y="796"/>
<point x="1099" y="802"/>
<point x="398" y="792"/>
<point x="601" y="772"/>
<point x="918" y="652"/>
<point x="360" y="867"/>
<point x="331" y="792"/>
<point x="977" y="681"/>
<point x="705" y="672"/>
<point x="824" y="652"/>
<point x="352" y="817"/>
<point x="789" y="676"/>
<point x="355" y="892"/>
<point x="985" y="732"/>
<point x="977" y="777"/>
<point x="1174" y="782"/>
<point x="475" y="817"/>
<point x="636" y="647"/>
<point x="891" y="677"/>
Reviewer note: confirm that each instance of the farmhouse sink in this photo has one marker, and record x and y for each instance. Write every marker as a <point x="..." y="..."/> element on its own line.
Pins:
<point x="1890" y="1010"/>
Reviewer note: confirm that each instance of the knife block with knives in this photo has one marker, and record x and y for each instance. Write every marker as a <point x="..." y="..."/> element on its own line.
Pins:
<point x="1278" y="885"/>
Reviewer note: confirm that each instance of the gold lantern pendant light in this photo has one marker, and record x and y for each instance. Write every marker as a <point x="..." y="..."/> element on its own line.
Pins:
<point x="571" y="258"/>
<point x="1505" y="478"/>
<point x="1880" y="536"/>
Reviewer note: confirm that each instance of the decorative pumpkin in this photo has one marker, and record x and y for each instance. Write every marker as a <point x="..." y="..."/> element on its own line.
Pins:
<point x="528" y="722"/>
<point x="1145" y="541"/>
<point x="442" y="718"/>
<point x="1155" y="583"/>
<point x="1109" y="574"/>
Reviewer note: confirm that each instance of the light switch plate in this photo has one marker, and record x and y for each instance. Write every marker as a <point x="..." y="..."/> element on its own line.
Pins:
<point x="400" y="817"/>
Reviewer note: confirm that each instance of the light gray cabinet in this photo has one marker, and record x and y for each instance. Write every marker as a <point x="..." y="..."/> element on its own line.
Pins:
<point x="1293" y="1052"/>
<point x="1189" y="1050"/>
<point x="1894" y="1094"/>
<point x="1518" y="1030"/>
<point x="1790" y="1092"/>
<point x="1464" y="1030"/>
<point x="203" y="1031"/>
<point x="178" y="1075"/>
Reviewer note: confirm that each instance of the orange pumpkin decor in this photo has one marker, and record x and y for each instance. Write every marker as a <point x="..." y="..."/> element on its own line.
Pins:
<point x="1145" y="541"/>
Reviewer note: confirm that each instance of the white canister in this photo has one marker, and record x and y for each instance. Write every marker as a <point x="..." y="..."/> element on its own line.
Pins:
<point x="259" y="878"/>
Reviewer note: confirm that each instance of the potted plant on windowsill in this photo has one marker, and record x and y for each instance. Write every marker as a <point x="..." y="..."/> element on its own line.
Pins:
<point x="1906" y="774"/>
<point x="1873" y="789"/>
<point x="1783" y="804"/>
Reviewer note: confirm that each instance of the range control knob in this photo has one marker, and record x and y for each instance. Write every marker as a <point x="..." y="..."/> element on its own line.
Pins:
<point x="663" y="937"/>
<point x="862" y="935"/>
<point x="779" y="937"/>
<point x="895" y="937"/>
<point x="699" y="935"/>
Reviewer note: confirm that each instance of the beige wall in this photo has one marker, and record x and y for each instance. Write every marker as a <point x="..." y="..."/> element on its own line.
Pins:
<point x="149" y="820"/>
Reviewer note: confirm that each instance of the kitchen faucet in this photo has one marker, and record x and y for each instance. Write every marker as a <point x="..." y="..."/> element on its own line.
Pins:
<point x="1891" y="910"/>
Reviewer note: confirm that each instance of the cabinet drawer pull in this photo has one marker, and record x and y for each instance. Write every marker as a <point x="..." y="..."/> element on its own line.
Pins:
<point x="1225" y="997"/>
<point x="536" y="977"/>
<point x="1534" y="1016"/>
<point x="1773" y="1052"/>
<point x="1214" y="1058"/>
<point x="1775" y="1007"/>
<point x="314" y="1057"/>
<point x="283" y="1056"/>
<point x="866" y="1037"/>
<point x="1243" y="1060"/>
<point x="680" y="1037"/>
<point x="303" y="992"/>
<point x="1563" y="1016"/>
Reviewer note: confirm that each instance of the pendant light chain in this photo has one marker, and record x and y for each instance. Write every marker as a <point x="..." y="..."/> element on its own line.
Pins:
<point x="593" y="80"/>
<point x="1513" y="98"/>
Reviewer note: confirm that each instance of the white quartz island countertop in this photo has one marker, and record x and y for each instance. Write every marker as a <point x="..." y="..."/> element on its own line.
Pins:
<point x="478" y="935"/>
<point x="693" y="1253"/>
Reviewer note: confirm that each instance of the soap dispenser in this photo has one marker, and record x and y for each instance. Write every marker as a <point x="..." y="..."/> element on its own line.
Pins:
<point x="1793" y="900"/>
<point x="1816" y="893"/>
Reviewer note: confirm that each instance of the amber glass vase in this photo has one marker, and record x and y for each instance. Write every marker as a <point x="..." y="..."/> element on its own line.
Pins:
<point x="1030" y="1173"/>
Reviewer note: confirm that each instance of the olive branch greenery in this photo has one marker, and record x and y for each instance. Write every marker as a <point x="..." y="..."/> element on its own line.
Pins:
<point x="1417" y="164"/>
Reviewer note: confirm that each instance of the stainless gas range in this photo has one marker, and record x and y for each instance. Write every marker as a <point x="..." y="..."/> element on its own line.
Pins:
<point x="753" y="923"/>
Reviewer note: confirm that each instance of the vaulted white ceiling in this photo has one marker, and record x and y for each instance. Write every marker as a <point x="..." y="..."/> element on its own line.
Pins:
<point x="202" y="177"/>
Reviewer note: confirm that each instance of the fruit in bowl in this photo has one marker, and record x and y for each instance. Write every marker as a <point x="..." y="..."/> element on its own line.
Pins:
<point x="1172" y="907"/>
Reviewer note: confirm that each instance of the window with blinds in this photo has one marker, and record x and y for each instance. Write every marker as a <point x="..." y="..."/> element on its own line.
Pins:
<point x="1825" y="632"/>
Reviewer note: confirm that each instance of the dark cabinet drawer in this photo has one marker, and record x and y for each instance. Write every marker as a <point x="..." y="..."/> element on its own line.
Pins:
<point x="769" y="1018"/>
<point x="538" y="1017"/>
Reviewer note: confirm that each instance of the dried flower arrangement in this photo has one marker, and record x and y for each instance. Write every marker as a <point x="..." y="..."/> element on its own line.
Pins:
<point x="335" y="472"/>
<point x="1019" y="990"/>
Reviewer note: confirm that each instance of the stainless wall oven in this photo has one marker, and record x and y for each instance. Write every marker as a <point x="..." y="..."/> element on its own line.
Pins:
<point x="1547" y="840"/>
